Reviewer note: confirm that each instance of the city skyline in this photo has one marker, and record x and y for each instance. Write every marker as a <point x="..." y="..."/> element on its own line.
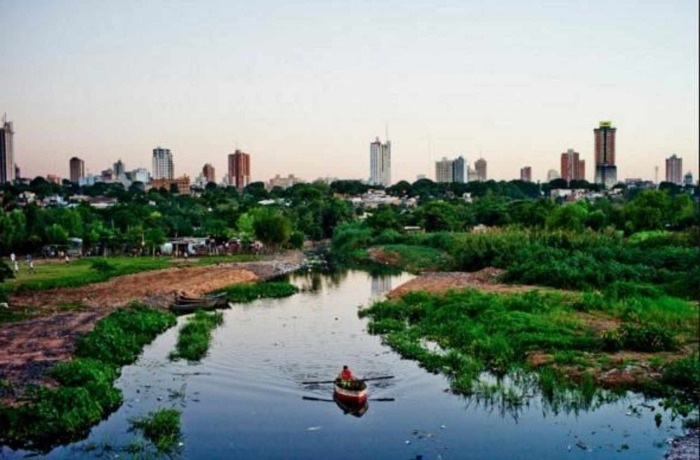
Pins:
<point x="490" y="84"/>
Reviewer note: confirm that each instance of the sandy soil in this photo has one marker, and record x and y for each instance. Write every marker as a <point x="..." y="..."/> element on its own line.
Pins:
<point x="483" y="280"/>
<point x="30" y="347"/>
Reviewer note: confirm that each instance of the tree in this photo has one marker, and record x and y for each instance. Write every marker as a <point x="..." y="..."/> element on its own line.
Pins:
<point x="56" y="234"/>
<point x="568" y="217"/>
<point x="154" y="237"/>
<point x="272" y="227"/>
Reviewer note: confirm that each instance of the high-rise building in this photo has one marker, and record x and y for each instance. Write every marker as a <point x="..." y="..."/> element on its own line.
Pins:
<point x="119" y="168"/>
<point x="380" y="163"/>
<point x="572" y="168"/>
<point x="239" y="169"/>
<point x="552" y="174"/>
<point x="688" y="179"/>
<point x="459" y="170"/>
<point x="526" y="174"/>
<point x="163" y="164"/>
<point x="480" y="167"/>
<point x="605" y="169"/>
<point x="77" y="169"/>
<point x="7" y="152"/>
<point x="209" y="173"/>
<point x="444" y="170"/>
<point x="674" y="169"/>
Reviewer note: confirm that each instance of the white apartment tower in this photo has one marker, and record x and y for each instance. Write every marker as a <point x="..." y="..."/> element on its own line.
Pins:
<point x="380" y="163"/>
<point x="162" y="164"/>
<point x="444" y="170"/>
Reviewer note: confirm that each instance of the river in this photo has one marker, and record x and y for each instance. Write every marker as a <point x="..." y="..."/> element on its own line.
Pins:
<point x="246" y="398"/>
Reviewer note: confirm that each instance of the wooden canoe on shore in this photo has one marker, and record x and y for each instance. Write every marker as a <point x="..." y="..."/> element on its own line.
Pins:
<point x="187" y="304"/>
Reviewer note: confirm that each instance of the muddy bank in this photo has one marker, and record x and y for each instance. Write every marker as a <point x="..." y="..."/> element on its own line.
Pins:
<point x="30" y="347"/>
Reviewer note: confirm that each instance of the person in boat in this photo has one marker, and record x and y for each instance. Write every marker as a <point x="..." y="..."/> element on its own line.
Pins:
<point x="346" y="377"/>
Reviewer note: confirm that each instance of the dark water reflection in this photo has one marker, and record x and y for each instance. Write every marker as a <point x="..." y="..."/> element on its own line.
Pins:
<point x="246" y="399"/>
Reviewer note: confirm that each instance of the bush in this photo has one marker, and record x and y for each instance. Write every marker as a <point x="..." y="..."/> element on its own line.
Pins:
<point x="195" y="336"/>
<point x="162" y="428"/>
<point x="639" y="337"/>
<point x="102" y="266"/>
<point x="249" y="292"/>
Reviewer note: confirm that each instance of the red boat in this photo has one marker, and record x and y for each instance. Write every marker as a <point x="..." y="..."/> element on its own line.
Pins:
<point x="354" y="391"/>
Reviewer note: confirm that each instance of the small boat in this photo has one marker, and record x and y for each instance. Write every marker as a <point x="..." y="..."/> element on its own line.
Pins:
<point x="353" y="392"/>
<point x="185" y="304"/>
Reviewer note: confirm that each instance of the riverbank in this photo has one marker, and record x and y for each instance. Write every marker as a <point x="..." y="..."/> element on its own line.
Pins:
<point x="57" y="317"/>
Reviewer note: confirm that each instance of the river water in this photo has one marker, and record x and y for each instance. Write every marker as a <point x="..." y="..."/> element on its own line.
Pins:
<point x="246" y="399"/>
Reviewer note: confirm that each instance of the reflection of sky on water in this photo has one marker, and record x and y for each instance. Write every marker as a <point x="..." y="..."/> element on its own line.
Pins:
<point x="381" y="285"/>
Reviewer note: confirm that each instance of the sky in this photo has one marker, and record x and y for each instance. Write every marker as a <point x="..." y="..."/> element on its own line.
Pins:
<point x="305" y="86"/>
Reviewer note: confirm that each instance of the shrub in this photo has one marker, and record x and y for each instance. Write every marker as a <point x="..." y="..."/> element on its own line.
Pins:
<point x="102" y="266"/>
<point x="162" y="428"/>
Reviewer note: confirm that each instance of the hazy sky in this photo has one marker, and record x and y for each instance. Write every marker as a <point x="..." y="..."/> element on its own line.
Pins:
<point x="305" y="86"/>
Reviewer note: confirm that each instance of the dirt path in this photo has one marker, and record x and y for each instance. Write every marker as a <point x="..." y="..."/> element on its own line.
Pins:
<point x="30" y="347"/>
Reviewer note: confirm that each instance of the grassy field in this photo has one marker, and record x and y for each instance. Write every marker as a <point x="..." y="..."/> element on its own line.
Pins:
<point x="80" y="272"/>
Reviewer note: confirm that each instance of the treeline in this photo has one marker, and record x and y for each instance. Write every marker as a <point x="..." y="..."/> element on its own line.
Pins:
<point x="144" y="220"/>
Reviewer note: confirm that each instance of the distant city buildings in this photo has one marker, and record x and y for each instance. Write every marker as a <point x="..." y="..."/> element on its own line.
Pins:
<point x="571" y="167"/>
<point x="526" y="174"/>
<point x="480" y="167"/>
<point x="77" y="169"/>
<point x="7" y="152"/>
<point x="162" y="164"/>
<point x="380" y="163"/>
<point x="181" y="183"/>
<point x="674" y="169"/>
<point x="283" y="182"/>
<point x="552" y="174"/>
<point x="688" y="179"/>
<point x="460" y="170"/>
<point x="209" y="173"/>
<point x="119" y="169"/>
<point x="447" y="171"/>
<point x="444" y="170"/>
<point x="53" y="178"/>
<point x="239" y="169"/>
<point x="605" y="166"/>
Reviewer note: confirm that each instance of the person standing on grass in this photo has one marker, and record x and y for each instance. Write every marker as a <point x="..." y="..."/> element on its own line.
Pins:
<point x="31" y="265"/>
<point x="16" y="267"/>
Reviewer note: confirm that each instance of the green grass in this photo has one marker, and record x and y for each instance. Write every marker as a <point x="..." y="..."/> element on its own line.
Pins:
<point x="85" y="394"/>
<point x="480" y="332"/>
<point x="195" y="336"/>
<point x="81" y="272"/>
<point x="161" y="428"/>
<point x="418" y="258"/>
<point x="248" y="292"/>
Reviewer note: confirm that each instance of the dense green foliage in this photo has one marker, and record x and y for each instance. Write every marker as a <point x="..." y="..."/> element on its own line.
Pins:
<point x="248" y="292"/>
<point x="85" y="394"/>
<point x="195" y="336"/>
<point x="161" y="428"/>
<point x="464" y="333"/>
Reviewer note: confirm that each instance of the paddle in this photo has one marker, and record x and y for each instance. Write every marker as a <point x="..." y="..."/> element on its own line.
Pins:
<point x="312" y="398"/>
<point x="364" y="380"/>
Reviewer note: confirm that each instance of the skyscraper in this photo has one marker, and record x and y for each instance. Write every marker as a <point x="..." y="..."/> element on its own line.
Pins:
<point x="605" y="169"/>
<point x="459" y="170"/>
<point x="163" y="164"/>
<point x="674" y="169"/>
<point x="239" y="169"/>
<point x="7" y="152"/>
<point x="444" y="170"/>
<point x="209" y="173"/>
<point x="380" y="163"/>
<point x="480" y="166"/>
<point x="526" y="174"/>
<point x="119" y="168"/>
<point x="77" y="169"/>
<point x="571" y="167"/>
